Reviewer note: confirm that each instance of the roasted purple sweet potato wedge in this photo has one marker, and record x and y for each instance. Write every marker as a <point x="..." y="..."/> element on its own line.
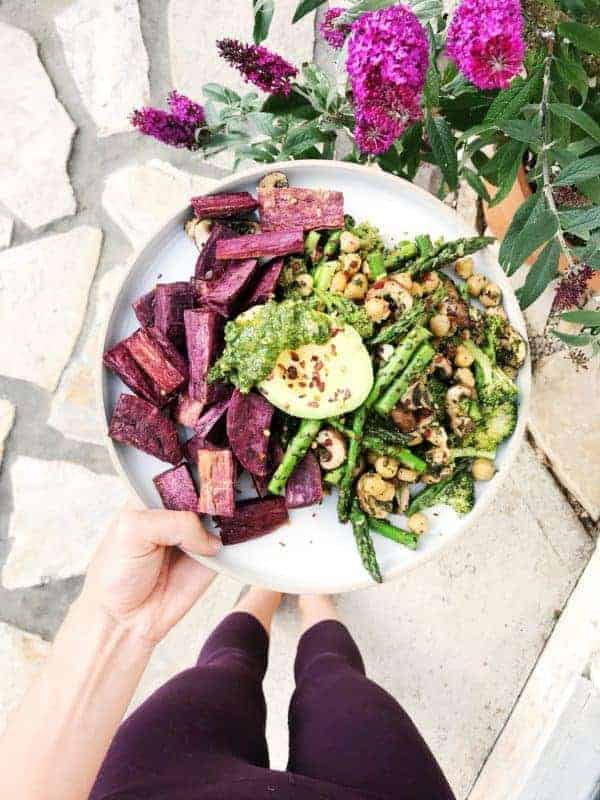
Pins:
<point x="207" y="258"/>
<point x="143" y="308"/>
<point x="249" y="419"/>
<point x="203" y="338"/>
<point x="253" y="518"/>
<point x="210" y="419"/>
<point x="217" y="472"/>
<point x="229" y="280"/>
<point x="159" y="359"/>
<point x="188" y="410"/>
<point x="176" y="489"/>
<point x="304" y="487"/>
<point x="309" y="209"/>
<point x="140" y="424"/>
<point x="218" y="206"/>
<point x="171" y="300"/>
<point x="264" y="285"/>
<point x="121" y="362"/>
<point x="196" y="443"/>
<point x="257" y="245"/>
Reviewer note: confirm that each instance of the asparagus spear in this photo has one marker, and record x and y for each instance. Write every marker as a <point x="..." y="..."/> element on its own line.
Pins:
<point x="376" y="265"/>
<point x="402" y="454"/>
<point x="390" y="531"/>
<point x="345" y="492"/>
<point x="364" y="543"/>
<point x="323" y="274"/>
<point x="446" y="253"/>
<point x="295" y="451"/>
<point x="334" y="422"/>
<point x="332" y="245"/>
<point x="398" y="361"/>
<point x="403" y="252"/>
<point x="400" y="386"/>
<point x="334" y="476"/>
<point x="424" y="244"/>
<point x="311" y="244"/>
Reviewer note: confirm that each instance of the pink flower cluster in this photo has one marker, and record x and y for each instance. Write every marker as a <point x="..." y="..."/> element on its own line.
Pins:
<point x="334" y="34"/>
<point x="267" y="70"/>
<point x="177" y="127"/>
<point x="388" y="56"/>
<point x="485" y="38"/>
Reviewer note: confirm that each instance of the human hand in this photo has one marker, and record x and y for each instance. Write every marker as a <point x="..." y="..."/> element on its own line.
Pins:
<point x="141" y="577"/>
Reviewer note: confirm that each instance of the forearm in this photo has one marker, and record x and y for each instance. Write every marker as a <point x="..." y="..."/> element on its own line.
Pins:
<point x="57" y="739"/>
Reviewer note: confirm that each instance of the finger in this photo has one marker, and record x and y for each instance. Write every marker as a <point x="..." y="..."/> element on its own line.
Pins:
<point x="187" y="581"/>
<point x="143" y="530"/>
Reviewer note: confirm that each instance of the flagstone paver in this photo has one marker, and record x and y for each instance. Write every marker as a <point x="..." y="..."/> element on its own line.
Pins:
<point x="6" y="229"/>
<point x="35" y="136"/>
<point x="60" y="512"/>
<point x="7" y="417"/>
<point x="105" y="52"/>
<point x="44" y="289"/>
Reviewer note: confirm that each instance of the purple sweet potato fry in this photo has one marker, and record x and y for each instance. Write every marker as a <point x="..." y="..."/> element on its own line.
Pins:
<point x="159" y="359"/>
<point x="249" y="419"/>
<point x="217" y="473"/>
<point x="203" y="338"/>
<point x="140" y="424"/>
<point x="253" y="518"/>
<point x="121" y="362"/>
<point x="176" y="489"/>
<point x="274" y="457"/>
<point x="207" y="422"/>
<point x="256" y="245"/>
<point x="217" y="206"/>
<point x="196" y="443"/>
<point x="188" y="410"/>
<point x="265" y="283"/>
<point x="281" y="209"/>
<point x="171" y="300"/>
<point x="143" y="308"/>
<point x="207" y="258"/>
<point x="304" y="487"/>
<point x="229" y="280"/>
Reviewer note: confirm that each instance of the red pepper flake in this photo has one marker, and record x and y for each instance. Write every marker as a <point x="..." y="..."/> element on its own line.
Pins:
<point x="314" y="358"/>
<point x="292" y="372"/>
<point x="313" y="404"/>
<point x="294" y="356"/>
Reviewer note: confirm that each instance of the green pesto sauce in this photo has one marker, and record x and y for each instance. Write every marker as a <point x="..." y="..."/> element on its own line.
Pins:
<point x="255" y="339"/>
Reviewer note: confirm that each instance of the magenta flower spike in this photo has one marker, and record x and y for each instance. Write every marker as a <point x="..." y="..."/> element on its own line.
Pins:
<point x="177" y="127"/>
<point x="334" y="35"/>
<point x="485" y="38"/>
<point x="259" y="66"/>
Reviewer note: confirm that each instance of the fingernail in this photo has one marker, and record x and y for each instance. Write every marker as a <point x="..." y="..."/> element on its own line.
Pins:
<point x="214" y="545"/>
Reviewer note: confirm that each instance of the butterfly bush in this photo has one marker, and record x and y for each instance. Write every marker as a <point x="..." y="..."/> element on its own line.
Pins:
<point x="388" y="56"/>
<point x="266" y="70"/>
<point x="334" y="34"/>
<point x="177" y="127"/>
<point x="486" y="40"/>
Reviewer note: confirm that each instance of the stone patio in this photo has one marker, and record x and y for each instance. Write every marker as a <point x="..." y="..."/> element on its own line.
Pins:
<point x="456" y="639"/>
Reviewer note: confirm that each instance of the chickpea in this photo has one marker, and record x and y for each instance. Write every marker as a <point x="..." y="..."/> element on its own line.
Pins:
<point x="418" y="523"/>
<point x="386" y="466"/>
<point x="349" y="243"/>
<point x="404" y="279"/>
<point x="357" y="288"/>
<point x="483" y="469"/>
<point x="464" y="267"/>
<point x="338" y="283"/>
<point x="407" y="475"/>
<point x="491" y="295"/>
<point x="463" y="357"/>
<point x="464" y="376"/>
<point x="476" y="284"/>
<point x="430" y="282"/>
<point x="304" y="282"/>
<point x="377" y="309"/>
<point x="350" y="263"/>
<point x="440" y="325"/>
<point x="496" y="311"/>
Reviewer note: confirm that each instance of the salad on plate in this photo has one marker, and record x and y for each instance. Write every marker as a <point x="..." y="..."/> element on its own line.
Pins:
<point x="310" y="354"/>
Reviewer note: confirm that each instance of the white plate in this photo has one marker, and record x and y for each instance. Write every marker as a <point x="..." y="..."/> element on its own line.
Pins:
<point x="315" y="553"/>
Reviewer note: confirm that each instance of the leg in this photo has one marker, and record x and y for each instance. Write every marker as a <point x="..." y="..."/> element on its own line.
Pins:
<point x="346" y="729"/>
<point x="207" y="721"/>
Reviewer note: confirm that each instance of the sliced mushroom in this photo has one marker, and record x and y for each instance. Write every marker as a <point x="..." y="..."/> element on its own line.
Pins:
<point x="274" y="180"/>
<point x="198" y="230"/>
<point x="375" y="495"/>
<point x="404" y="419"/>
<point x="441" y="364"/>
<point x="332" y="448"/>
<point x="402" y="497"/>
<point x="460" y="423"/>
<point x="417" y="397"/>
<point x="454" y="307"/>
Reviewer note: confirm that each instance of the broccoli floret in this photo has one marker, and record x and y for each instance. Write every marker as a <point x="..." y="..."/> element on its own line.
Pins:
<point x="346" y="310"/>
<point x="369" y="236"/>
<point x="511" y="349"/>
<point x="493" y="330"/>
<point x="456" y="491"/>
<point x="494" y="387"/>
<point x="437" y="391"/>
<point x="497" y="424"/>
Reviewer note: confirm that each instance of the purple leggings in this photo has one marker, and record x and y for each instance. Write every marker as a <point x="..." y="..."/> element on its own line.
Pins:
<point x="201" y="736"/>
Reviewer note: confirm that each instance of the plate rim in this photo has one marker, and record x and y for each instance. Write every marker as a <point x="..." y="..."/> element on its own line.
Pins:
<point x="514" y="443"/>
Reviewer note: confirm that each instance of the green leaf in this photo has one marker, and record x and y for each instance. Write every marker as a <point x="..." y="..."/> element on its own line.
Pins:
<point x="521" y="130"/>
<point x="577" y="117"/>
<point x="263" y="15"/>
<point x="532" y="226"/>
<point x="301" y="138"/>
<point x="580" y="221"/>
<point x="590" y="253"/>
<point x="426" y="9"/>
<point x="221" y="94"/>
<point x="589" y="319"/>
<point x="584" y="37"/>
<point x="433" y="82"/>
<point x="540" y="274"/>
<point x="506" y="163"/>
<point x="304" y="7"/>
<point x="510" y="101"/>
<point x="475" y="182"/>
<point x="581" y="170"/>
<point x="571" y="73"/>
<point x="443" y="146"/>
<point x="294" y="105"/>
<point x="574" y="339"/>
